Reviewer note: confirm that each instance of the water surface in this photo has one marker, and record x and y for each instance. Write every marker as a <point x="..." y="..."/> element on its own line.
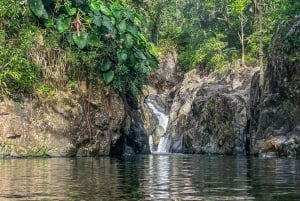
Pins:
<point x="150" y="177"/>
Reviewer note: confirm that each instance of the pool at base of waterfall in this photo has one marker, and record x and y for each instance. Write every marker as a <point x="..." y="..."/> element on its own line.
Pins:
<point x="170" y="177"/>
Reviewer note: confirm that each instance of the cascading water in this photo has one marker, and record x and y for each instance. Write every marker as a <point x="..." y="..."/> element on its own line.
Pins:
<point x="163" y="119"/>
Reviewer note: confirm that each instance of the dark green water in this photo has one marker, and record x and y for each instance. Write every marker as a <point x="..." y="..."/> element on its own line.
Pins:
<point x="152" y="177"/>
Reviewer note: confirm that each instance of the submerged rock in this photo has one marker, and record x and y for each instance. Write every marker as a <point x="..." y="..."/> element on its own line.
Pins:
<point x="275" y="108"/>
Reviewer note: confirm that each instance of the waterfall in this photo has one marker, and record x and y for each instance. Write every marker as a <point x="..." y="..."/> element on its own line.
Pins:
<point x="151" y="144"/>
<point x="163" y="145"/>
<point x="163" y="122"/>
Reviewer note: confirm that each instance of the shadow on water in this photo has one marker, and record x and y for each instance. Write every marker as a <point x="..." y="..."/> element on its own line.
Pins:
<point x="151" y="177"/>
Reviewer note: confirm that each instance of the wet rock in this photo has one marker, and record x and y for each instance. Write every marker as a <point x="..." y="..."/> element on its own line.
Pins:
<point x="129" y="151"/>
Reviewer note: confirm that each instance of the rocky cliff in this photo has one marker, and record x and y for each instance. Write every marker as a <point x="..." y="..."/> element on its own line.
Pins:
<point x="84" y="122"/>
<point x="208" y="114"/>
<point x="231" y="113"/>
<point x="274" y="115"/>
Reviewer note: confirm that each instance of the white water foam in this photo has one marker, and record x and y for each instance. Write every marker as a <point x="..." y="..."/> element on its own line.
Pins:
<point x="163" y="120"/>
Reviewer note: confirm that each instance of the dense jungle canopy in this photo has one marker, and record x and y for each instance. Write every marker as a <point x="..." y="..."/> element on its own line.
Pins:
<point x="50" y="43"/>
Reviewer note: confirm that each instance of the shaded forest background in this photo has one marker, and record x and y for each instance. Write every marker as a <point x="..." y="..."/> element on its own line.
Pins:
<point x="216" y="35"/>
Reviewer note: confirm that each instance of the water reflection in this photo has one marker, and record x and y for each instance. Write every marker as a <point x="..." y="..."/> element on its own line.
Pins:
<point x="153" y="177"/>
<point x="159" y="178"/>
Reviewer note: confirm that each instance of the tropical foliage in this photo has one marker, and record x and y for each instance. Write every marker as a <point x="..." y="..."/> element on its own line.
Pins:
<point x="48" y="41"/>
<point x="99" y="38"/>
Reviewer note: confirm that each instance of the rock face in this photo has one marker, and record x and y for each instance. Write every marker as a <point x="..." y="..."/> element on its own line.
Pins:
<point x="208" y="114"/>
<point x="87" y="121"/>
<point x="274" y="115"/>
<point x="68" y="123"/>
<point x="168" y="75"/>
<point x="161" y="90"/>
<point x="135" y="131"/>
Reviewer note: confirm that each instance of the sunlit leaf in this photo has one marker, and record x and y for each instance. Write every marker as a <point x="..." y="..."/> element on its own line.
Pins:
<point x="105" y="10"/>
<point x="70" y="10"/>
<point x="153" y="49"/>
<point x="142" y="37"/>
<point x="95" y="5"/>
<point x="49" y="23"/>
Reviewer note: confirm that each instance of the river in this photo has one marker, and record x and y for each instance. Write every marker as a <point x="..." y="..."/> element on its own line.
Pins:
<point x="150" y="177"/>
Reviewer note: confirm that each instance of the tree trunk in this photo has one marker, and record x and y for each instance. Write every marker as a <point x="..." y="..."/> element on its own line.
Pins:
<point x="242" y="38"/>
<point x="261" y="51"/>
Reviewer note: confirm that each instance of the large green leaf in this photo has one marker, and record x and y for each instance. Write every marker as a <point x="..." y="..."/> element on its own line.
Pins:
<point x="117" y="14"/>
<point x="97" y="19"/>
<point x="153" y="62"/>
<point x="80" y="39"/>
<point x="107" y="23"/>
<point x="49" y="23"/>
<point x="128" y="41"/>
<point x="106" y="66"/>
<point x="37" y="7"/>
<point x="95" y="5"/>
<point x="108" y="77"/>
<point x="122" y="55"/>
<point x="129" y="15"/>
<point x="63" y="23"/>
<point x="143" y="38"/>
<point x="105" y="10"/>
<point x="70" y="39"/>
<point x="132" y="59"/>
<point x="94" y="40"/>
<point x="133" y="30"/>
<point x="144" y="67"/>
<point x="122" y="27"/>
<point x="153" y="49"/>
<point x="70" y="10"/>
<point x="139" y="54"/>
